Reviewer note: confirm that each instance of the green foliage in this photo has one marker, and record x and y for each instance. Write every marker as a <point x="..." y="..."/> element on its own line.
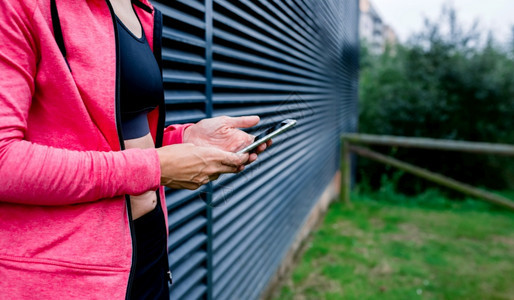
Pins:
<point x="448" y="83"/>
<point x="378" y="250"/>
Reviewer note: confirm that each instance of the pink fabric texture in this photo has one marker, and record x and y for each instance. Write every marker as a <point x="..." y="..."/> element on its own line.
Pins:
<point x="173" y="134"/>
<point x="64" y="228"/>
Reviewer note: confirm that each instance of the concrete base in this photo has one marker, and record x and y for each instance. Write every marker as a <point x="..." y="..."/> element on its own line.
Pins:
<point x="315" y="217"/>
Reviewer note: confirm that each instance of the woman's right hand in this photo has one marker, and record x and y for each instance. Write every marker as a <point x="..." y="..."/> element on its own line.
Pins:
<point x="186" y="166"/>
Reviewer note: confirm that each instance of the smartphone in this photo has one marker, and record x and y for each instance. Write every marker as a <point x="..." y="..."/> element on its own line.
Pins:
<point x="269" y="134"/>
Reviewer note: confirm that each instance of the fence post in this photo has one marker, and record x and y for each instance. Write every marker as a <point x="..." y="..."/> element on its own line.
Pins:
<point x="346" y="184"/>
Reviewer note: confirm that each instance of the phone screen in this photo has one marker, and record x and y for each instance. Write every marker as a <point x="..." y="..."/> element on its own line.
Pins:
<point x="269" y="134"/>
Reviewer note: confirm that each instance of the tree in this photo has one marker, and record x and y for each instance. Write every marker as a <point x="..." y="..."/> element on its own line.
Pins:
<point x="446" y="83"/>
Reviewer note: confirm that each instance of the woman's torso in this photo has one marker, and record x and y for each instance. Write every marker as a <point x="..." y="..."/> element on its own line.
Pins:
<point x="140" y="91"/>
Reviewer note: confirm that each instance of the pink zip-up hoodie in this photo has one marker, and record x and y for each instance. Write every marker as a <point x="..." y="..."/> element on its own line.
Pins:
<point x="64" y="225"/>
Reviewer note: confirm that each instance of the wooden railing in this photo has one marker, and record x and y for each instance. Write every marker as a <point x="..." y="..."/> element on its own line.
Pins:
<point x="351" y="142"/>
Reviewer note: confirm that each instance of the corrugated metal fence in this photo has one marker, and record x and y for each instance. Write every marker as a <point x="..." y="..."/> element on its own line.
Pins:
<point x="276" y="59"/>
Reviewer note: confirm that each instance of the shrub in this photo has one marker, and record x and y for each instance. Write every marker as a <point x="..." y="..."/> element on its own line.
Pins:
<point x="445" y="83"/>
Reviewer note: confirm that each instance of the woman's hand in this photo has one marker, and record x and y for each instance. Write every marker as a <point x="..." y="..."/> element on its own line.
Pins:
<point x="223" y="133"/>
<point x="186" y="166"/>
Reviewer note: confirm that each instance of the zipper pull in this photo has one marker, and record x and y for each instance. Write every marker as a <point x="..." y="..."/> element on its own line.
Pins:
<point x="170" y="277"/>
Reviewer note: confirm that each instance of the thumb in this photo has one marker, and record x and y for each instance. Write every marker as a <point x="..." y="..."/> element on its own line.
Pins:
<point x="232" y="159"/>
<point x="243" y="122"/>
<point x="228" y="162"/>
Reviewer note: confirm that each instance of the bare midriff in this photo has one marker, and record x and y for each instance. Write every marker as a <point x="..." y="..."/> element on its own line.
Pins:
<point x="146" y="202"/>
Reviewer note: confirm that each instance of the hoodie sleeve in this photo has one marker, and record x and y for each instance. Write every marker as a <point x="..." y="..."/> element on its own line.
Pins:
<point x="174" y="134"/>
<point x="41" y="175"/>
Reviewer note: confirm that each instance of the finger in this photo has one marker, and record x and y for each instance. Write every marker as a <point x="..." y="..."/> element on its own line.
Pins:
<point x="242" y="122"/>
<point x="214" y="177"/>
<point x="243" y="143"/>
<point x="231" y="162"/>
<point x="252" y="158"/>
<point x="268" y="143"/>
<point x="192" y="187"/>
<point x="243" y="158"/>
<point x="240" y="159"/>
<point x="222" y="168"/>
<point x="261" y="148"/>
<point x="187" y="186"/>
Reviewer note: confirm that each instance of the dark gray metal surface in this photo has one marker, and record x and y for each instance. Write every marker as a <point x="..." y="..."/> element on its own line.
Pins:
<point x="276" y="59"/>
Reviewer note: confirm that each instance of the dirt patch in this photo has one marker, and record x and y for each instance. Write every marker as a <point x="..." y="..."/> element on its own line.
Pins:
<point x="409" y="232"/>
<point x="316" y="281"/>
<point x="382" y="269"/>
<point x="504" y="240"/>
<point x="377" y="223"/>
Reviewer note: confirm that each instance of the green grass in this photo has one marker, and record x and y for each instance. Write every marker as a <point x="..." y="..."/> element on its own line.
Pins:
<point x="407" y="248"/>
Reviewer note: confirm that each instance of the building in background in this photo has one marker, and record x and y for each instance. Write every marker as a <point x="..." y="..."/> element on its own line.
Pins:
<point x="373" y="30"/>
<point x="278" y="60"/>
<point x="390" y="35"/>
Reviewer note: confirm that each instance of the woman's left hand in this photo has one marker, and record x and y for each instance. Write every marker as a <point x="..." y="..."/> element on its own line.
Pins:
<point x="223" y="133"/>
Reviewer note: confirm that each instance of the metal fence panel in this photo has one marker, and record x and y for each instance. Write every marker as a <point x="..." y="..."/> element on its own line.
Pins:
<point x="276" y="59"/>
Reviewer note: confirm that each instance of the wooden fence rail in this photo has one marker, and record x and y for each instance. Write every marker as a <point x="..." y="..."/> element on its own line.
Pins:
<point x="426" y="143"/>
<point x="349" y="140"/>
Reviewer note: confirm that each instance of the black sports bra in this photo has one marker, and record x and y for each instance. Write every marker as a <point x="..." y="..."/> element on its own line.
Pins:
<point x="141" y="86"/>
<point x="141" y="91"/>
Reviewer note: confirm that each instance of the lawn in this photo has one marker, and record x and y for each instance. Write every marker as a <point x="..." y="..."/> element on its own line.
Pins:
<point x="407" y="250"/>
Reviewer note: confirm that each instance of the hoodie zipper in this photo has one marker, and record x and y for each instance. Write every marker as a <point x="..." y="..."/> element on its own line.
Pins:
<point x="122" y="147"/>
<point x="157" y="49"/>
